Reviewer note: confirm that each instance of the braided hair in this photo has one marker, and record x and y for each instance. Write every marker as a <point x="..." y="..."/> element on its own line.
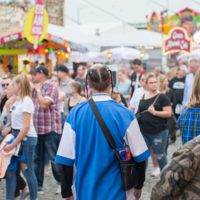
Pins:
<point x="99" y="76"/>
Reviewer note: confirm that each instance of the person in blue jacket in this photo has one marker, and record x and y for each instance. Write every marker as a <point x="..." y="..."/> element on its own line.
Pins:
<point x="85" y="153"/>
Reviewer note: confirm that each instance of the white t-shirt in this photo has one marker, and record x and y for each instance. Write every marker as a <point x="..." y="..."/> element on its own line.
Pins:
<point x="17" y="118"/>
<point x="135" y="100"/>
<point x="137" y="82"/>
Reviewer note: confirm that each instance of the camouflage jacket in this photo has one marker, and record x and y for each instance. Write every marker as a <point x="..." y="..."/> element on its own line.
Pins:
<point x="180" y="179"/>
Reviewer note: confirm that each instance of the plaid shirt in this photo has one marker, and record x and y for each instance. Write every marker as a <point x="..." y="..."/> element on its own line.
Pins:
<point x="47" y="120"/>
<point x="189" y="124"/>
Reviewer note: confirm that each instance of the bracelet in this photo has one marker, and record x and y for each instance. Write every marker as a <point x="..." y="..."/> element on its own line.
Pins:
<point x="154" y="113"/>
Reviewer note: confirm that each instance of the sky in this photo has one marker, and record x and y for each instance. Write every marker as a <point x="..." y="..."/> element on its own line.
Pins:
<point x="129" y="11"/>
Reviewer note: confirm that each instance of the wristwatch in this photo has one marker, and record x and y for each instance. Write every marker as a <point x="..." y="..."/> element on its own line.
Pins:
<point x="154" y="113"/>
<point x="38" y="91"/>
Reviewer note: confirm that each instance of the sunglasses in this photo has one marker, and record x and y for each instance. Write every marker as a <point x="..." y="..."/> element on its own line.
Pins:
<point x="7" y="84"/>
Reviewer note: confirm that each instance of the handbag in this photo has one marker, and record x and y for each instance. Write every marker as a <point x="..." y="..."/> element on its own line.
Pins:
<point x="19" y="150"/>
<point x="175" y="127"/>
<point x="139" y="115"/>
<point x="128" y="167"/>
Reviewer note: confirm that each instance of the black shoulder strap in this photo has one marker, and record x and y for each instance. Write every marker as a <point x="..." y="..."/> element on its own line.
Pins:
<point x="102" y="124"/>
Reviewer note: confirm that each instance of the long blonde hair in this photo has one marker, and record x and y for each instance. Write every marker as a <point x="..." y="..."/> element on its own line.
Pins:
<point x="195" y="95"/>
<point x="25" y="86"/>
<point x="161" y="79"/>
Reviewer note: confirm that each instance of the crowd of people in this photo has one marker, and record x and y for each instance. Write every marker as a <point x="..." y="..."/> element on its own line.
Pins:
<point x="49" y="120"/>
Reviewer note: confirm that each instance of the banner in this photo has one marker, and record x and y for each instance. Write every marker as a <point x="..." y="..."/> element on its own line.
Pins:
<point x="10" y="38"/>
<point x="178" y="40"/>
<point x="38" y="20"/>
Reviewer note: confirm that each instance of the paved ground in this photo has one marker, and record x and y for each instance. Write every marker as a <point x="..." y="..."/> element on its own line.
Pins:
<point x="51" y="186"/>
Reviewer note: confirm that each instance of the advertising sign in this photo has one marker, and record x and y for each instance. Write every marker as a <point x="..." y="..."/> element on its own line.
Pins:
<point x="196" y="36"/>
<point x="10" y="38"/>
<point x="177" y="40"/>
<point x="38" y="20"/>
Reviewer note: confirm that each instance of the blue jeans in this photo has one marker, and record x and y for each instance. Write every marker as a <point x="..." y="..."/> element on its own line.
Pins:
<point x="46" y="143"/>
<point x="29" y="149"/>
<point x="158" y="143"/>
<point x="11" y="182"/>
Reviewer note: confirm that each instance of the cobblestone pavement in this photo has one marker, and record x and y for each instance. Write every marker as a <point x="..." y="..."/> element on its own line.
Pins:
<point x="50" y="185"/>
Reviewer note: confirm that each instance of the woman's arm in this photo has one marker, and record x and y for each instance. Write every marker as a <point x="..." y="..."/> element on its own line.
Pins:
<point x="62" y="96"/>
<point x="9" y="104"/>
<point x="127" y="96"/>
<point x="165" y="113"/>
<point x="67" y="105"/>
<point x="22" y="133"/>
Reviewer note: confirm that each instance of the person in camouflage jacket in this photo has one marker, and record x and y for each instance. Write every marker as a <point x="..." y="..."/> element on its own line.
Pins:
<point x="180" y="179"/>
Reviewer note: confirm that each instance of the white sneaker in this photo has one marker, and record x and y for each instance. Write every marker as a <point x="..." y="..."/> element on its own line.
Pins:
<point x="58" y="191"/>
<point x="156" y="171"/>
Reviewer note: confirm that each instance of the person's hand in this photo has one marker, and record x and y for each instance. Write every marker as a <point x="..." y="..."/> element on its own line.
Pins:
<point x="38" y="86"/>
<point x="69" y="198"/>
<point x="183" y="108"/>
<point x="11" y="100"/>
<point x="151" y="109"/>
<point x="8" y="148"/>
<point x="6" y="131"/>
<point x="137" y="194"/>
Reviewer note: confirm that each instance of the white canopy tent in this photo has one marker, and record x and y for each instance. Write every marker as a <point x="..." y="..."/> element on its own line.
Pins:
<point x="139" y="38"/>
<point x="119" y="53"/>
<point x="113" y="37"/>
<point x="103" y="29"/>
<point x="186" y="57"/>
<point x="76" y="36"/>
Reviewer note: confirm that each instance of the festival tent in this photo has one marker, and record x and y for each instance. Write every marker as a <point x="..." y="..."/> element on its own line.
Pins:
<point x="103" y="29"/>
<point x="186" y="57"/>
<point x="119" y="53"/>
<point x="120" y="34"/>
<point x="76" y="36"/>
<point x="139" y="38"/>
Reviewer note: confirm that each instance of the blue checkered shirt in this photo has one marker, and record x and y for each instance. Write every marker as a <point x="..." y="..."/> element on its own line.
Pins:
<point x="189" y="124"/>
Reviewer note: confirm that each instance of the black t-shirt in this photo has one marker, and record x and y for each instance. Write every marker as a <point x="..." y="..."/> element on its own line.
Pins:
<point x="3" y="103"/>
<point x="177" y="85"/>
<point x="150" y="124"/>
<point x="171" y="97"/>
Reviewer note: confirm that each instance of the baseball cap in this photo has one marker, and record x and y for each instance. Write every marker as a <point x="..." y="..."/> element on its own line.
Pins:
<point x="41" y="69"/>
<point x="62" y="68"/>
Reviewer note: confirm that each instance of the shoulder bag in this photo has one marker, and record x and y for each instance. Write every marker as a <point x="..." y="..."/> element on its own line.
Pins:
<point x="128" y="167"/>
<point x="139" y="115"/>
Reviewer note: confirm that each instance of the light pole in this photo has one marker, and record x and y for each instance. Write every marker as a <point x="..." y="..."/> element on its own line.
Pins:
<point x="142" y="52"/>
<point x="162" y="30"/>
<point x="109" y="55"/>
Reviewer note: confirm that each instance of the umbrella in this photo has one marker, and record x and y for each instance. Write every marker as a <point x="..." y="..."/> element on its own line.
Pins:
<point x="194" y="55"/>
<point x="120" y="53"/>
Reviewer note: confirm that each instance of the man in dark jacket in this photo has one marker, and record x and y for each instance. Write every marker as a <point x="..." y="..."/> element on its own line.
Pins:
<point x="135" y="78"/>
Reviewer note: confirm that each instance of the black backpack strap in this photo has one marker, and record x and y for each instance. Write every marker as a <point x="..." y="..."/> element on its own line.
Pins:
<point x="102" y="124"/>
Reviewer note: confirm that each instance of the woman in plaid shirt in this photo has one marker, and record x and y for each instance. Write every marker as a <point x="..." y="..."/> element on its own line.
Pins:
<point x="189" y="120"/>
